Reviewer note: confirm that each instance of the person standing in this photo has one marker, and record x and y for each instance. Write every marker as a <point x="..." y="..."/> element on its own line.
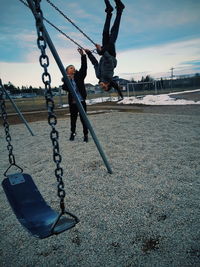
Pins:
<point x="77" y="80"/>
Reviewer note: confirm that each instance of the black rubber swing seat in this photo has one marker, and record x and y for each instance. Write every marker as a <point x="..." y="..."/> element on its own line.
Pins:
<point x="30" y="208"/>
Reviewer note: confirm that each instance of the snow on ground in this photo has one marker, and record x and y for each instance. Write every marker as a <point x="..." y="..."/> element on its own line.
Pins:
<point x="162" y="99"/>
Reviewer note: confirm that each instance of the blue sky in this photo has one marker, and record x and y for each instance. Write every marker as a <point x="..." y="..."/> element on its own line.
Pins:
<point x="154" y="36"/>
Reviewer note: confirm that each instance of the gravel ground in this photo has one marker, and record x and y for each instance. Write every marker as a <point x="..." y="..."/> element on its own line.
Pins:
<point x="145" y="214"/>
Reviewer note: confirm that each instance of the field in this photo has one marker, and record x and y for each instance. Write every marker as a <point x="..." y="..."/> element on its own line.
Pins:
<point x="38" y="103"/>
<point x="145" y="214"/>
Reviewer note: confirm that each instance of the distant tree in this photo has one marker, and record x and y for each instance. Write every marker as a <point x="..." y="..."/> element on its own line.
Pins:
<point x="11" y="88"/>
<point x="148" y="79"/>
<point x="142" y="80"/>
<point x="196" y="80"/>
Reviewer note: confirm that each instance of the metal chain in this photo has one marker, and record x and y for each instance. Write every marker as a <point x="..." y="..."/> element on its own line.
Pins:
<point x="57" y="9"/>
<point x="7" y="130"/>
<point x="52" y="120"/>
<point x="60" y="31"/>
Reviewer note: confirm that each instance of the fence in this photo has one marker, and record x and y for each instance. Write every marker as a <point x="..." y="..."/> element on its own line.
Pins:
<point x="130" y="89"/>
<point x="162" y="86"/>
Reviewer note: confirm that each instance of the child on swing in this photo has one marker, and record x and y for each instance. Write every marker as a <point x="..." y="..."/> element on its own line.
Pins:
<point x="104" y="69"/>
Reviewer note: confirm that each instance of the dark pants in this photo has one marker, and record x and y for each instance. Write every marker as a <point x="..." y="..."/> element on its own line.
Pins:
<point x="74" y="115"/>
<point x="110" y="37"/>
<point x="117" y="88"/>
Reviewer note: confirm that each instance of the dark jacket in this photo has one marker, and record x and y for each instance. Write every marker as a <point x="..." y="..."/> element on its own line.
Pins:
<point x="104" y="69"/>
<point x="79" y="78"/>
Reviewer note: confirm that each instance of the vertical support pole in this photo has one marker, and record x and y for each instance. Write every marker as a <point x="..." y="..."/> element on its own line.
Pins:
<point x="156" y="91"/>
<point x="16" y="108"/>
<point x="172" y="75"/>
<point x="134" y="90"/>
<point x="127" y="89"/>
<point x="67" y="82"/>
<point x="60" y="97"/>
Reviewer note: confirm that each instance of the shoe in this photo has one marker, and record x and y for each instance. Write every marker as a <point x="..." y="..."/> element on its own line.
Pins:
<point x="72" y="136"/>
<point x="119" y="5"/>
<point x="85" y="138"/>
<point x="109" y="8"/>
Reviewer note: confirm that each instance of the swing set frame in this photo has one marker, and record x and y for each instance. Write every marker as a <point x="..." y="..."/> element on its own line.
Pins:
<point x="37" y="217"/>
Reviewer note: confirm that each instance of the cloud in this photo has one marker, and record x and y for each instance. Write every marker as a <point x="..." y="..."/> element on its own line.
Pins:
<point x="29" y="37"/>
<point x="192" y="62"/>
<point x="146" y="16"/>
<point x="143" y="25"/>
<point x="20" y="73"/>
<point x="77" y="37"/>
<point x="157" y="60"/>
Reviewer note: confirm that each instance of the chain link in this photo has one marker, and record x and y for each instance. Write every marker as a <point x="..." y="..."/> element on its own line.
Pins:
<point x="52" y="120"/>
<point x="6" y="128"/>
<point x="4" y="115"/>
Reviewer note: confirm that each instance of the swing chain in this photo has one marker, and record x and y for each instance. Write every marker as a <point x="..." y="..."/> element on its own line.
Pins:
<point x="59" y="11"/>
<point x="6" y="127"/>
<point x="52" y="120"/>
<point x="60" y="31"/>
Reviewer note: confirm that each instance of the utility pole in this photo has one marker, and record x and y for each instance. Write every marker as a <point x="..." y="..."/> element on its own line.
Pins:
<point x="172" y="75"/>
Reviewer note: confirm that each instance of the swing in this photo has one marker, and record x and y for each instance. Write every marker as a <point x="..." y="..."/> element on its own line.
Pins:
<point x="30" y="208"/>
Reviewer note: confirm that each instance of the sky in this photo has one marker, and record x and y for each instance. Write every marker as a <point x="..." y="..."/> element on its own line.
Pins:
<point x="154" y="37"/>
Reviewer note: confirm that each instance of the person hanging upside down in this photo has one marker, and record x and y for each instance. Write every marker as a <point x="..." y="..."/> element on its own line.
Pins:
<point x="104" y="69"/>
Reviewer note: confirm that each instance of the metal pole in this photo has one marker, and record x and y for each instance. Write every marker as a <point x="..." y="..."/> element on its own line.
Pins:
<point x="60" y="96"/>
<point x="67" y="82"/>
<point x="156" y="91"/>
<point x="134" y="90"/>
<point x="127" y="89"/>
<point x="16" y="108"/>
<point x="172" y="75"/>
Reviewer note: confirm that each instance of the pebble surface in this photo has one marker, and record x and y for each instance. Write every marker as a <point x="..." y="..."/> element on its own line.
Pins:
<point x="145" y="214"/>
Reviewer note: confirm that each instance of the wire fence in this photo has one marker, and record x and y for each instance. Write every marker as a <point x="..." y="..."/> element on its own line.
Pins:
<point x="34" y="102"/>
